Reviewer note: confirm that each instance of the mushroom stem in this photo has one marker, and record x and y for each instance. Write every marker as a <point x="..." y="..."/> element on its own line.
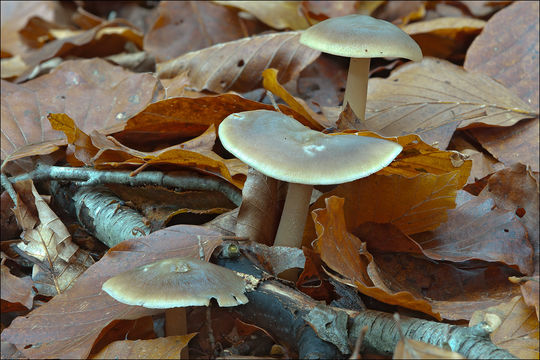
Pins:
<point x="293" y="217"/>
<point x="356" y="89"/>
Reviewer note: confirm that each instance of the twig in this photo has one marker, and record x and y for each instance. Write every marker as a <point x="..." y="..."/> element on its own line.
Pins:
<point x="7" y="184"/>
<point x="90" y="176"/>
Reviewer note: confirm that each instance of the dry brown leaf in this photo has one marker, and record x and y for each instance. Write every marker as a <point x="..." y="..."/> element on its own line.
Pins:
<point x="445" y="37"/>
<point x="260" y="211"/>
<point x="90" y="309"/>
<point x="105" y="39"/>
<point x="454" y="290"/>
<point x="38" y="31"/>
<point x="517" y="329"/>
<point x="348" y="256"/>
<point x="13" y="66"/>
<point x="518" y="143"/>
<point x="478" y="229"/>
<point x="14" y="17"/>
<point x="434" y="97"/>
<point x="321" y="10"/>
<point x="530" y="290"/>
<point x="413" y="349"/>
<point x="61" y="260"/>
<point x="510" y="57"/>
<point x="516" y="189"/>
<point x="99" y="95"/>
<point x="276" y="14"/>
<point x="482" y="164"/>
<point x="484" y="8"/>
<point x="16" y="289"/>
<point x="162" y="348"/>
<point x="184" y="26"/>
<point x="238" y="65"/>
<point x="401" y="12"/>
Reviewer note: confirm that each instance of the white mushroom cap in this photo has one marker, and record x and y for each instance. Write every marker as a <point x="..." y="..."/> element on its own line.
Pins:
<point x="177" y="282"/>
<point x="361" y="36"/>
<point x="281" y="147"/>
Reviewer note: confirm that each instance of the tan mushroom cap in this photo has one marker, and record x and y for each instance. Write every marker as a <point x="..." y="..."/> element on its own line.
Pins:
<point x="281" y="147"/>
<point x="361" y="36"/>
<point x="177" y="282"/>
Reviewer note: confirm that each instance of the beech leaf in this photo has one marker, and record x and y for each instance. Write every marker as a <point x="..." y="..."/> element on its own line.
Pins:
<point x="238" y="65"/>
<point x="432" y="98"/>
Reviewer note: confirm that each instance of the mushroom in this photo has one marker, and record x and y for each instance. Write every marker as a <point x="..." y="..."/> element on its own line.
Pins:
<point x="281" y="147"/>
<point x="177" y="282"/>
<point x="360" y="37"/>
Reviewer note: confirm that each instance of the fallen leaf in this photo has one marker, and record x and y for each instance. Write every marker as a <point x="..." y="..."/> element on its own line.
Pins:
<point x="270" y="83"/>
<point x="113" y="154"/>
<point x="207" y="24"/>
<point x="529" y="290"/>
<point x="321" y="10"/>
<point x="434" y="97"/>
<point x="513" y="189"/>
<point x="484" y="8"/>
<point x="61" y="260"/>
<point x="445" y="37"/>
<point x="138" y="329"/>
<point x="276" y="14"/>
<point x="400" y="12"/>
<point x="89" y="308"/>
<point x="348" y="256"/>
<point x="517" y="143"/>
<point x="173" y="119"/>
<point x="162" y="348"/>
<point x="16" y="289"/>
<point x="238" y="65"/>
<point x="412" y="204"/>
<point x="99" y="95"/>
<point x="518" y="327"/>
<point x="103" y="40"/>
<point x="455" y="290"/>
<point x="482" y="163"/>
<point x="38" y="31"/>
<point x="13" y="66"/>
<point x="510" y="57"/>
<point x="15" y="15"/>
<point x="477" y="229"/>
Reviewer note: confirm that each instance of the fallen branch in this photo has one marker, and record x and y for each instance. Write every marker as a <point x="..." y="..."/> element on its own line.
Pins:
<point x="101" y="213"/>
<point x="283" y="311"/>
<point x="89" y="176"/>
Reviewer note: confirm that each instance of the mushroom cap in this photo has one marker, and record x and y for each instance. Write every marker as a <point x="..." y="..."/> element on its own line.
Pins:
<point x="177" y="282"/>
<point x="361" y="36"/>
<point x="281" y="147"/>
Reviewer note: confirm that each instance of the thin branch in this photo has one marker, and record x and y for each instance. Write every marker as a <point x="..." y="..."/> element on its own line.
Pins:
<point x="90" y="176"/>
<point x="7" y="184"/>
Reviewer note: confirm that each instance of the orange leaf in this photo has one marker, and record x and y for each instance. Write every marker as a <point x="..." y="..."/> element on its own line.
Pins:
<point x="270" y="83"/>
